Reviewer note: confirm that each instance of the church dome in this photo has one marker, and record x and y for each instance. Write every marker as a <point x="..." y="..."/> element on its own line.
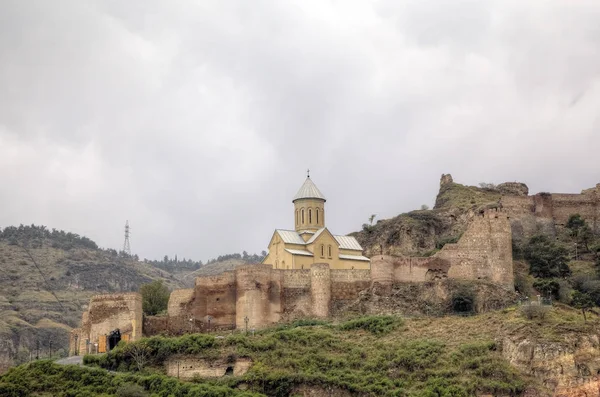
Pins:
<point x="309" y="191"/>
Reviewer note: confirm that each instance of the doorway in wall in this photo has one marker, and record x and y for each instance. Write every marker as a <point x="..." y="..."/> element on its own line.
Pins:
<point x="113" y="339"/>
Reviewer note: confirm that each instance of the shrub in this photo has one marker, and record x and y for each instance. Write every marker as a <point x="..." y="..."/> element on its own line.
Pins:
<point x="548" y="288"/>
<point x="546" y="258"/>
<point x="131" y="390"/>
<point x="155" y="297"/>
<point x="377" y="325"/>
<point x="531" y="311"/>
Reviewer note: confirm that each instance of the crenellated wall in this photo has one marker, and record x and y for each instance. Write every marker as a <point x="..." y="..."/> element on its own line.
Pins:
<point x="259" y="295"/>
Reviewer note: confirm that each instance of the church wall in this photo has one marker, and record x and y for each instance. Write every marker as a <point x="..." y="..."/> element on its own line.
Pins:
<point x="302" y="262"/>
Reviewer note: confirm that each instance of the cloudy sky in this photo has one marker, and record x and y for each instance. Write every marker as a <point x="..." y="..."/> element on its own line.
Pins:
<point x="196" y="120"/>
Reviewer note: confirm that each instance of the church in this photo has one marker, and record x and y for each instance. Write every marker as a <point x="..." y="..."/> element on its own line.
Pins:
<point x="311" y="242"/>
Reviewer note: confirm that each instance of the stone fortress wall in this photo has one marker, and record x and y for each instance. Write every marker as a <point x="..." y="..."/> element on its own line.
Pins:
<point x="256" y="296"/>
<point x="557" y="207"/>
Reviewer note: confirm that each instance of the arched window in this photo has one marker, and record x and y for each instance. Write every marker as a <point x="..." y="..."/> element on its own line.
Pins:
<point x="317" y="216"/>
<point x="329" y="251"/>
<point x="297" y="217"/>
<point x="302" y="215"/>
<point x="322" y="251"/>
<point x="310" y="216"/>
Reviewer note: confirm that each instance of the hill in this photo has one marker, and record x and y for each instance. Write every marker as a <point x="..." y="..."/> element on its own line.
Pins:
<point x="46" y="281"/>
<point x="497" y="353"/>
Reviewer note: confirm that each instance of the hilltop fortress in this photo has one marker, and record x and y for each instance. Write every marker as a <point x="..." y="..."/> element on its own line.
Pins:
<point x="309" y="272"/>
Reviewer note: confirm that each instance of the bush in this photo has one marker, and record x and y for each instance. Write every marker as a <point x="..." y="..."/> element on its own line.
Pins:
<point x="548" y="288"/>
<point x="377" y="325"/>
<point x="546" y="258"/>
<point x="532" y="311"/>
<point x="131" y="390"/>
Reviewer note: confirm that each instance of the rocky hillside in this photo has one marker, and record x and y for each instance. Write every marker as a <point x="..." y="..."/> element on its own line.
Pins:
<point x="45" y="283"/>
<point x="500" y="353"/>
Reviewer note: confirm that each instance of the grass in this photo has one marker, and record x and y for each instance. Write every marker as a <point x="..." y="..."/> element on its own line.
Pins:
<point x="368" y="356"/>
<point x="455" y="195"/>
<point x="371" y="356"/>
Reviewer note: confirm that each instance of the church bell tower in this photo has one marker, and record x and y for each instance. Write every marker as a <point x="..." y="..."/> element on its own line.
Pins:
<point x="309" y="207"/>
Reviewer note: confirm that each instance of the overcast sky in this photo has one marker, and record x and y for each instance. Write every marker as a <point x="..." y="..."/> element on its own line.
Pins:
<point x="197" y="120"/>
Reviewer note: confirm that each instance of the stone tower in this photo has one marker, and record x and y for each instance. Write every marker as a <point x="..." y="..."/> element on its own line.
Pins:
<point x="309" y="207"/>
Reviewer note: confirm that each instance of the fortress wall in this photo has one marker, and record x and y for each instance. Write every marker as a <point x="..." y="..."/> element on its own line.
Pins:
<point x="382" y="273"/>
<point x="347" y="283"/>
<point x="119" y="311"/>
<point x="258" y="295"/>
<point x="179" y="301"/>
<point x="215" y="296"/>
<point x="320" y="288"/>
<point x="296" y="278"/>
<point x="483" y="250"/>
<point x="518" y="205"/>
<point x="565" y="205"/>
<point x="543" y="205"/>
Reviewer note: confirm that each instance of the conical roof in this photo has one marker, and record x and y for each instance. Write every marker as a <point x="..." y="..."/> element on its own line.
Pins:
<point x="308" y="190"/>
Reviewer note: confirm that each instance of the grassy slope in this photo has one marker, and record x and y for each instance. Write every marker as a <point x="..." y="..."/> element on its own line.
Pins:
<point x="28" y="311"/>
<point x="420" y="355"/>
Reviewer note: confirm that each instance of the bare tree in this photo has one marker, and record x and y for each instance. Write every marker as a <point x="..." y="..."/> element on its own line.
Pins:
<point x="139" y="353"/>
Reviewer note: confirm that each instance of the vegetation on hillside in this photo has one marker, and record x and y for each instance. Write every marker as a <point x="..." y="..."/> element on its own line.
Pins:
<point x="375" y="356"/>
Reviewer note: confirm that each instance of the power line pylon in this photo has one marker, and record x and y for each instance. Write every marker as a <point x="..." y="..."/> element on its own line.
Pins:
<point x="126" y="245"/>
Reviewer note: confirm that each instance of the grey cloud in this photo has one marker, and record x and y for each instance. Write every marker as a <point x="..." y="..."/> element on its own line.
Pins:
<point x="196" y="120"/>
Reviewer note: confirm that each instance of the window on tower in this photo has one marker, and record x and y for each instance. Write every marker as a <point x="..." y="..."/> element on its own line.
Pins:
<point x="310" y="216"/>
<point x="302" y="216"/>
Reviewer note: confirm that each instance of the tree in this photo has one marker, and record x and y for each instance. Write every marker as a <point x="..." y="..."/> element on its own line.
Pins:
<point x="139" y="354"/>
<point x="155" y="297"/>
<point x="424" y="207"/>
<point x="580" y="230"/>
<point x="582" y="301"/>
<point x="546" y="258"/>
<point x="372" y="218"/>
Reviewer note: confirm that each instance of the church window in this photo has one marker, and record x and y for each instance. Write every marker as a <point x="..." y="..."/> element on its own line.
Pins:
<point x="317" y="215"/>
<point x="329" y="251"/>
<point x="310" y="216"/>
<point x="322" y="251"/>
<point x="297" y="217"/>
<point x="302" y="216"/>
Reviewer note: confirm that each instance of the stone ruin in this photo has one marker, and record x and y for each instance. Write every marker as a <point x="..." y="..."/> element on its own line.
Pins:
<point x="257" y="296"/>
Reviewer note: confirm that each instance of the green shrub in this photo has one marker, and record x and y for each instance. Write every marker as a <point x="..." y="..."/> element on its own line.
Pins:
<point x="377" y="325"/>
<point x="131" y="390"/>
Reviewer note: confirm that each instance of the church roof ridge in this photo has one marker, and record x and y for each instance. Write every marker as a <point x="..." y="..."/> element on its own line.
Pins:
<point x="309" y="190"/>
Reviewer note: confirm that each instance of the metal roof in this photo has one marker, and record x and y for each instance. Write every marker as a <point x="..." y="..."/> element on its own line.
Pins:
<point x="314" y="237"/>
<point x="299" y="252"/>
<point x="308" y="190"/>
<point x="290" y="237"/>
<point x="355" y="257"/>
<point x="348" y="243"/>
